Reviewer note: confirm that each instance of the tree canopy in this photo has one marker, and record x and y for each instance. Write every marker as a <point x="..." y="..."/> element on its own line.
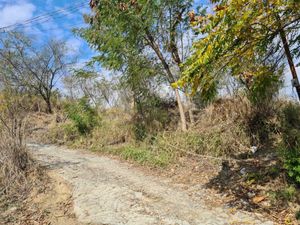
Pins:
<point x="32" y="69"/>
<point x="137" y="30"/>
<point x="246" y="39"/>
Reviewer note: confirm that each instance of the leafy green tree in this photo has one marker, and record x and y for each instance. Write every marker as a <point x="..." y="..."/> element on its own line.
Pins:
<point x="142" y="79"/>
<point x="247" y="39"/>
<point x="125" y="30"/>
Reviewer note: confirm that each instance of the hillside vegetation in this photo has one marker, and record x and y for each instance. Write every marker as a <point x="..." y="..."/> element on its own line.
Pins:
<point x="184" y="85"/>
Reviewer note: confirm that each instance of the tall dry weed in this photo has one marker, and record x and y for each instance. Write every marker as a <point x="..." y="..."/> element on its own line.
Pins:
<point x="14" y="163"/>
<point x="226" y="127"/>
<point x="14" y="159"/>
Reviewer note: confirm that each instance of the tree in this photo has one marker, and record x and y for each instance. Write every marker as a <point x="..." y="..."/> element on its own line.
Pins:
<point x="247" y="39"/>
<point x="87" y="82"/>
<point x="124" y="30"/>
<point x="32" y="68"/>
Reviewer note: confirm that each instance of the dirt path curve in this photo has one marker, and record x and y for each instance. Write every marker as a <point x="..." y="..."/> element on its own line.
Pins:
<point x="109" y="192"/>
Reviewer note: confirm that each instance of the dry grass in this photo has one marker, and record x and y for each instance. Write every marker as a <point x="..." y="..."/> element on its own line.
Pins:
<point x="114" y="128"/>
<point x="224" y="132"/>
<point x="15" y="162"/>
<point x="224" y="112"/>
<point x="15" y="182"/>
<point x="39" y="124"/>
<point x="27" y="194"/>
<point x="219" y="131"/>
<point x="223" y="124"/>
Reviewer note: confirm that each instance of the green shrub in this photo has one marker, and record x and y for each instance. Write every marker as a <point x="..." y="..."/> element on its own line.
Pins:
<point x="63" y="133"/>
<point x="263" y="86"/>
<point x="290" y="146"/>
<point x="290" y="123"/>
<point x="152" y="115"/>
<point x="292" y="165"/>
<point x="140" y="154"/>
<point x="297" y="215"/>
<point x="84" y="117"/>
<point x="146" y="156"/>
<point x="214" y="141"/>
<point x="288" y="193"/>
<point x="140" y="130"/>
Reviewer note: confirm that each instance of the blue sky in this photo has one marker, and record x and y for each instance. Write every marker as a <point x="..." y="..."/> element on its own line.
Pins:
<point x="59" y="24"/>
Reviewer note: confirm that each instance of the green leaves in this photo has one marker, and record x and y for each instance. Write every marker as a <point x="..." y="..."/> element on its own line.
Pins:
<point x="241" y="36"/>
<point x="290" y="129"/>
<point x="84" y="117"/>
<point x="292" y="166"/>
<point x="120" y="30"/>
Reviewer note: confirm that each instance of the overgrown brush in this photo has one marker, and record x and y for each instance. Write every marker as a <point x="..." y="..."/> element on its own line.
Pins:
<point x="219" y="131"/>
<point x="83" y="116"/>
<point x="224" y="128"/>
<point x="153" y="115"/>
<point x="141" y="154"/>
<point x="14" y="163"/>
<point x="14" y="159"/>
<point x="78" y="123"/>
<point x="115" y="128"/>
<point x="290" y="144"/>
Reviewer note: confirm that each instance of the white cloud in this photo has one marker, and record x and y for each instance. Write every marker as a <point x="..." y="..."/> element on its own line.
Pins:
<point x="49" y="2"/>
<point x="17" y="12"/>
<point x="74" y="45"/>
<point x="84" y="10"/>
<point x="288" y="91"/>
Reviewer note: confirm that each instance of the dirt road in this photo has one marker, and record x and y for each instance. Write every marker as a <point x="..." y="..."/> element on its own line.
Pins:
<point x="109" y="192"/>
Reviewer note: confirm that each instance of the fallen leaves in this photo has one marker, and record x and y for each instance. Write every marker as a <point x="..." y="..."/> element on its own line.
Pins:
<point x="258" y="199"/>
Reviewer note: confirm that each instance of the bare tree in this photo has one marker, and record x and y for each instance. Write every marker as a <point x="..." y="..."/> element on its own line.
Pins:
<point x="86" y="82"/>
<point x="33" y="68"/>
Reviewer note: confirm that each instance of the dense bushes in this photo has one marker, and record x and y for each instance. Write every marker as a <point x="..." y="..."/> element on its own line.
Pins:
<point x="292" y="165"/>
<point x="84" y="117"/>
<point x="152" y="115"/>
<point x="75" y="121"/>
<point x="115" y="128"/>
<point x="290" y="146"/>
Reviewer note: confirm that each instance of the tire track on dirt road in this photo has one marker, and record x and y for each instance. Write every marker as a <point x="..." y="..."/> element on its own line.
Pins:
<point x="106" y="191"/>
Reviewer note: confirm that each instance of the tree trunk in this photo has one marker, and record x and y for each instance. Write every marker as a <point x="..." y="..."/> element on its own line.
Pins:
<point x="170" y="76"/>
<point x="190" y="110"/>
<point x="49" y="106"/>
<point x="289" y="57"/>
<point x="178" y="61"/>
<point x="181" y="111"/>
